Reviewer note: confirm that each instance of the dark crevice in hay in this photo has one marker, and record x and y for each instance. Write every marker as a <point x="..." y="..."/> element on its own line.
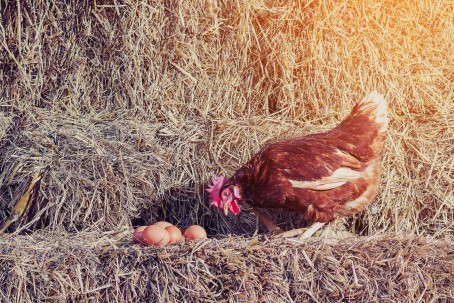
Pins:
<point x="188" y="205"/>
<point x="358" y="224"/>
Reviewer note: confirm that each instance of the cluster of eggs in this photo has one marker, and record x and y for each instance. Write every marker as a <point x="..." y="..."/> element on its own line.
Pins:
<point x="162" y="233"/>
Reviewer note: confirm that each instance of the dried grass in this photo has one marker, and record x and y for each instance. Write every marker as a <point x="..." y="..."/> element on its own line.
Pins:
<point x="105" y="267"/>
<point x="131" y="107"/>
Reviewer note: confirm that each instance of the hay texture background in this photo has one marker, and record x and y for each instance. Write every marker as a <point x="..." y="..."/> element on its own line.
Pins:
<point x="129" y="107"/>
<point x="101" y="267"/>
<point x="132" y="106"/>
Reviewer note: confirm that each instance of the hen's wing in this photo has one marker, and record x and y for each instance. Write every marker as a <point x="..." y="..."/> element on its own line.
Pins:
<point x="336" y="156"/>
<point x="318" y="165"/>
<point x="320" y="180"/>
<point x="334" y="173"/>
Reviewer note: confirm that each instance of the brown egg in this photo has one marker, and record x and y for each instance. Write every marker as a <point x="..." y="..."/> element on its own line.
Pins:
<point x="175" y="233"/>
<point x="155" y="235"/>
<point x="163" y="224"/>
<point x="137" y="234"/>
<point x="195" y="232"/>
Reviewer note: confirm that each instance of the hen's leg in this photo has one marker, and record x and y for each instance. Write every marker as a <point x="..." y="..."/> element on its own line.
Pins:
<point x="270" y="225"/>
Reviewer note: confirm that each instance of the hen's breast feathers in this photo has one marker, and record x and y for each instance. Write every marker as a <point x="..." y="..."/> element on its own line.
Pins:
<point x="323" y="175"/>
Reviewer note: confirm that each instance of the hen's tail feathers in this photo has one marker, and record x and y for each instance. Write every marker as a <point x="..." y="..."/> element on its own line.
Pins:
<point x="378" y="107"/>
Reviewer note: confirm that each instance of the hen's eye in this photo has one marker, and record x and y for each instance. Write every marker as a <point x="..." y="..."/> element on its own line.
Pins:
<point x="226" y="194"/>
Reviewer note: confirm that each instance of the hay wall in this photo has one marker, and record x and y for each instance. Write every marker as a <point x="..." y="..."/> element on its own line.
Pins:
<point x="95" y="267"/>
<point x="132" y="107"/>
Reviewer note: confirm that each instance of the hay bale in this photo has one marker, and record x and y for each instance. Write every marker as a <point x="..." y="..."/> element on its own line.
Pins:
<point x="149" y="100"/>
<point x="107" y="267"/>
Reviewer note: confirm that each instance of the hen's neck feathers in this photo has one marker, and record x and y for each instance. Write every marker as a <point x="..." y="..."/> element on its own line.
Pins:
<point x="377" y="108"/>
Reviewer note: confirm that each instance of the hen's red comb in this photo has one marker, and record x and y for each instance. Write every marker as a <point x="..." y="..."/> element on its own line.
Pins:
<point x="214" y="190"/>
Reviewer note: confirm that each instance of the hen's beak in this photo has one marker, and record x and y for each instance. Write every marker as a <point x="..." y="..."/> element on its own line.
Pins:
<point x="226" y="208"/>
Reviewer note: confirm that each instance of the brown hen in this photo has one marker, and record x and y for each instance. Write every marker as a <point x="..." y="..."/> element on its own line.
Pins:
<point x="323" y="176"/>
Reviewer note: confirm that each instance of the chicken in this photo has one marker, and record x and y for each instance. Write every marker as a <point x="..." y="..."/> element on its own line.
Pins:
<point x="323" y="176"/>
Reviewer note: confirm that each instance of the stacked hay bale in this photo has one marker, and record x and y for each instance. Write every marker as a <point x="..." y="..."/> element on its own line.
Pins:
<point x="101" y="267"/>
<point x="129" y="107"/>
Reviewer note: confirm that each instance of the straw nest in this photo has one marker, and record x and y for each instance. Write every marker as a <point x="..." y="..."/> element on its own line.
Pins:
<point x="127" y="108"/>
<point x="105" y="267"/>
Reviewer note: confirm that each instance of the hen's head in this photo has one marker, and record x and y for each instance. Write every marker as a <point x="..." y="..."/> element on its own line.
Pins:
<point x="223" y="195"/>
